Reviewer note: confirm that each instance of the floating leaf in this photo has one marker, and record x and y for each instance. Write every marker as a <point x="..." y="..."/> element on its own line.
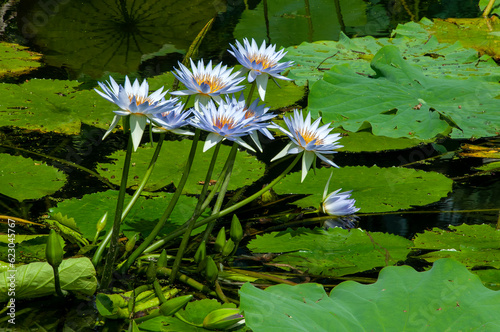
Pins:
<point x="416" y="44"/>
<point x="401" y="102"/>
<point x="332" y="252"/>
<point x="364" y="141"/>
<point x="142" y="218"/>
<point x="16" y="60"/>
<point x="375" y="189"/>
<point x="194" y="313"/>
<point x="23" y="178"/>
<point x="472" y="245"/>
<point x="53" y="105"/>
<point x="446" y="298"/>
<point x="170" y="165"/>
<point x="37" y="279"/>
<point x="32" y="248"/>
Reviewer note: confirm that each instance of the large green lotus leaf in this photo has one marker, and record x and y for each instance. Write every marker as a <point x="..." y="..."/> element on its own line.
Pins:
<point x="289" y="24"/>
<point x="472" y="245"/>
<point x="37" y="279"/>
<point x="142" y="218"/>
<point x="194" y="312"/>
<point x="170" y="165"/>
<point x="375" y="189"/>
<point x="333" y="252"/>
<point x="401" y="102"/>
<point x="445" y="298"/>
<point x="104" y="35"/>
<point x="16" y="60"/>
<point x="364" y="141"/>
<point x="312" y="60"/>
<point x="23" y="178"/>
<point x="53" y="105"/>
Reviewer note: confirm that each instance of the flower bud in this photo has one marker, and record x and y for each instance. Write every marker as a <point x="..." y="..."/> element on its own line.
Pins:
<point x="102" y="223"/>
<point x="129" y="246"/>
<point x="54" y="252"/>
<point x="211" y="270"/>
<point x="236" y="231"/>
<point x="220" y="241"/>
<point x="223" y="319"/>
<point x="173" y="305"/>
<point x="228" y="248"/>
<point x="151" y="272"/>
<point x="162" y="260"/>
<point x="201" y="253"/>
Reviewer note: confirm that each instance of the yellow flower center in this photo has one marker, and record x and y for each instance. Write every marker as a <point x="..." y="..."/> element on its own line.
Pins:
<point x="309" y="136"/>
<point x="215" y="83"/>
<point x="262" y="59"/>
<point x="139" y="100"/>
<point x="222" y="121"/>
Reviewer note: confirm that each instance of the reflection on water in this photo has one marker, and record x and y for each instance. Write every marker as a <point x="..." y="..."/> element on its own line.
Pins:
<point x="95" y="36"/>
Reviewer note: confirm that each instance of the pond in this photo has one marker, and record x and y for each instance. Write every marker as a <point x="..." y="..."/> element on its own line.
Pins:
<point x="410" y="143"/>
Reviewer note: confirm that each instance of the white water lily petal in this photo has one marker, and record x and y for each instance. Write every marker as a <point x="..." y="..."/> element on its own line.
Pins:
<point x="307" y="160"/>
<point x="283" y="152"/>
<point x="137" y="126"/>
<point x="211" y="141"/>
<point x="261" y="82"/>
<point x="116" y="118"/>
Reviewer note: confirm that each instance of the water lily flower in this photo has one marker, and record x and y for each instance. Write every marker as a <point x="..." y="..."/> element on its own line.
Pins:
<point x="224" y="121"/>
<point x="260" y="62"/>
<point x="172" y="119"/>
<point x="259" y="115"/>
<point x="337" y="203"/>
<point x="207" y="82"/>
<point x="134" y="102"/>
<point x="309" y="139"/>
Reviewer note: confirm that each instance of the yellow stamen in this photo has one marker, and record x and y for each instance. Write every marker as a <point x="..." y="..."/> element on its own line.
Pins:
<point x="221" y="122"/>
<point x="215" y="83"/>
<point x="261" y="59"/>
<point x="309" y="136"/>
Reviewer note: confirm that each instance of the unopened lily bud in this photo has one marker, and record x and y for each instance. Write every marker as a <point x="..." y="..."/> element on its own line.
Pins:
<point x="228" y="248"/>
<point x="54" y="252"/>
<point x="129" y="246"/>
<point x="201" y="253"/>
<point x="151" y="272"/>
<point x="223" y="319"/>
<point x="173" y="305"/>
<point x="162" y="260"/>
<point x="211" y="270"/>
<point x="236" y="231"/>
<point x="220" y="241"/>
<point x="102" y="223"/>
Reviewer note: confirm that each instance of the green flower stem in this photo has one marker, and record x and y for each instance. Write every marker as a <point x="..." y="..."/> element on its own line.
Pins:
<point x="180" y="230"/>
<point x="113" y="246"/>
<point x="102" y="246"/>
<point x="169" y="209"/>
<point x="196" y="214"/>
<point x="220" y="293"/>
<point x="57" y="281"/>
<point x="223" y="189"/>
<point x="263" y="276"/>
<point x="165" y="272"/>
<point x="250" y="94"/>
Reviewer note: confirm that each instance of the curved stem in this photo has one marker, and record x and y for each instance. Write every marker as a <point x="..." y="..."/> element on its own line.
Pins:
<point x="113" y="247"/>
<point x="102" y="246"/>
<point x="169" y="209"/>
<point x="180" y="230"/>
<point x="196" y="214"/>
<point x="57" y="281"/>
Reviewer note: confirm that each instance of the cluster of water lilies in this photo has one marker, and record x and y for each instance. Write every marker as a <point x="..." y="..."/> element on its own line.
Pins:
<point x="221" y="109"/>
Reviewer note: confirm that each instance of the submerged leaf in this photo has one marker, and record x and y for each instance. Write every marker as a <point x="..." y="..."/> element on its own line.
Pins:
<point x="16" y="60"/>
<point x="446" y="298"/>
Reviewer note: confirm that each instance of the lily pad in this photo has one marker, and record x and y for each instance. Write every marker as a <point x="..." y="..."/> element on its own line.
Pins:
<point x="399" y="101"/>
<point x="364" y="141"/>
<point x="472" y="245"/>
<point x="287" y="22"/>
<point x="37" y="279"/>
<point x="23" y="178"/>
<point x="142" y="218"/>
<point x="375" y="189"/>
<point x="31" y="250"/>
<point x="332" y="252"/>
<point x="170" y="165"/>
<point x="415" y="42"/>
<point x="16" y="59"/>
<point x="53" y="105"/>
<point x="446" y="298"/>
<point x="194" y="313"/>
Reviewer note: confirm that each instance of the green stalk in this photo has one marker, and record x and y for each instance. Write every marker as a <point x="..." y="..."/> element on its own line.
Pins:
<point x="57" y="281"/>
<point x="180" y="230"/>
<point x="113" y="247"/>
<point x="102" y="246"/>
<point x="169" y="209"/>
<point x="196" y="214"/>
<point x="250" y="94"/>
<point x="223" y="189"/>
